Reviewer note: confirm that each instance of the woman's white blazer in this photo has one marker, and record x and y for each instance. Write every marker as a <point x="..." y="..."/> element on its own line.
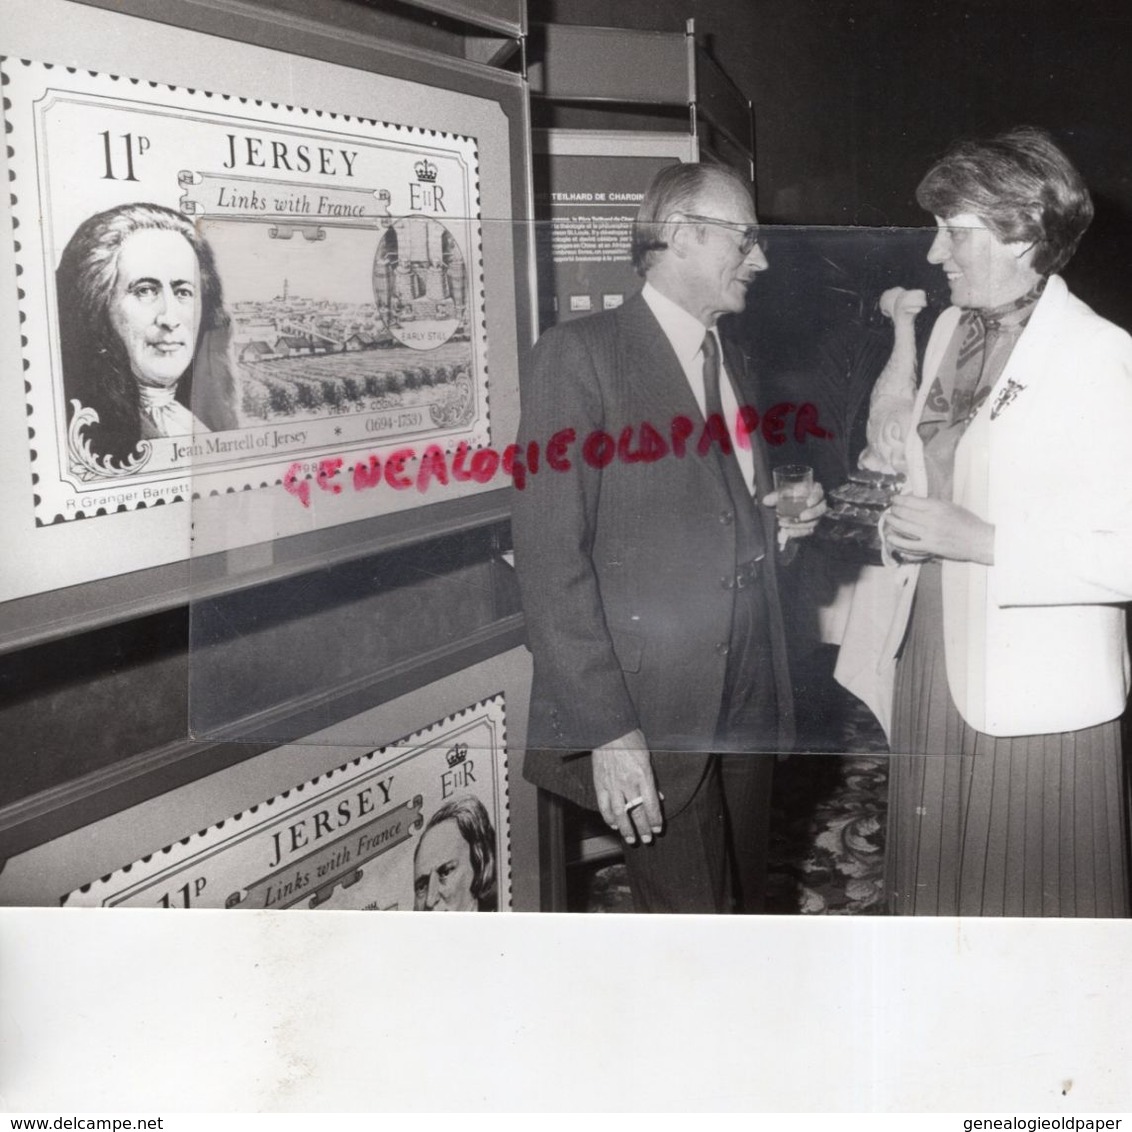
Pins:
<point x="1036" y="643"/>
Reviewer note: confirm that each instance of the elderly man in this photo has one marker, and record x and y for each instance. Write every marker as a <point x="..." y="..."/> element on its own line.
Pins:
<point x="647" y="565"/>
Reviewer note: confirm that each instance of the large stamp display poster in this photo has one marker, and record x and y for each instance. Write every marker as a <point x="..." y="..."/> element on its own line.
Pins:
<point x="420" y="824"/>
<point x="216" y="289"/>
<point x="256" y="250"/>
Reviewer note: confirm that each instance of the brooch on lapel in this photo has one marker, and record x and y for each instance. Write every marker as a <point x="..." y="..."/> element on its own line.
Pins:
<point x="1005" y="397"/>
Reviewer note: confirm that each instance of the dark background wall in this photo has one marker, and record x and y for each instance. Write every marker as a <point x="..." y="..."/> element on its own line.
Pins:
<point x="853" y="98"/>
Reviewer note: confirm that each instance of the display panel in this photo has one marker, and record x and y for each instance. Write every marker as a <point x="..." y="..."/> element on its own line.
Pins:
<point x="315" y="238"/>
<point x="588" y="186"/>
<point x="274" y="286"/>
<point x="374" y="834"/>
<point x="358" y="796"/>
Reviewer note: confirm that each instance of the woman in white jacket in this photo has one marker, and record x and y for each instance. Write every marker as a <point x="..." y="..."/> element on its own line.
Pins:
<point x="1001" y="640"/>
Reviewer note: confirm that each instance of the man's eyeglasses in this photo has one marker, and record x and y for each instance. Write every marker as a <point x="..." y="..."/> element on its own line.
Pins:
<point x="748" y="233"/>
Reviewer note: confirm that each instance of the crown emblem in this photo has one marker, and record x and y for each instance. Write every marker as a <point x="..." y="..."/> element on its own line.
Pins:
<point x="457" y="754"/>
<point x="425" y="170"/>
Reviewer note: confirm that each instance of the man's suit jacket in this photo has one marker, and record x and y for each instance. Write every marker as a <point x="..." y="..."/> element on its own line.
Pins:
<point x="624" y="568"/>
<point x="1034" y="644"/>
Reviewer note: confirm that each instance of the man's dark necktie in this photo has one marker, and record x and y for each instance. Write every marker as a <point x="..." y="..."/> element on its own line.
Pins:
<point x="750" y="542"/>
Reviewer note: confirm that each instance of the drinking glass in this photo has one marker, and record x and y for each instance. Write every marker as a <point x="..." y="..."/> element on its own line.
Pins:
<point x="793" y="483"/>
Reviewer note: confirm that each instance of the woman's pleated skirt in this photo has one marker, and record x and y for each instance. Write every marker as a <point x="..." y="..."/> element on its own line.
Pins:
<point x="977" y="826"/>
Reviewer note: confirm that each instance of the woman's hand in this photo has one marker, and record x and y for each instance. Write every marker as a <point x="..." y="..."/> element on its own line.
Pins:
<point x="937" y="529"/>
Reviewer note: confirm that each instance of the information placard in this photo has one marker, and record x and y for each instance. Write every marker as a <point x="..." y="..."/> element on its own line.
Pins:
<point x="589" y="185"/>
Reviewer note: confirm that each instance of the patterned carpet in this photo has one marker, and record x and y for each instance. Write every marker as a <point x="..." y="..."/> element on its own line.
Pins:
<point x="827" y="835"/>
<point x="827" y="823"/>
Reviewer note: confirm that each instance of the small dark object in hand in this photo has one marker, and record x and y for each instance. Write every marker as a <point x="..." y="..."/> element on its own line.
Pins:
<point x="850" y="526"/>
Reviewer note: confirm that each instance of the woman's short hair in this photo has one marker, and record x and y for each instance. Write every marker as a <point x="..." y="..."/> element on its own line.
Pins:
<point x="1021" y="185"/>
<point x="96" y="367"/>
<point x="475" y="827"/>
<point x="676" y="188"/>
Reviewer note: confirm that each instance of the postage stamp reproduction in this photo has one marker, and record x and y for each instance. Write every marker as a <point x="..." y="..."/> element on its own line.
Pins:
<point x="420" y="824"/>
<point x="215" y="289"/>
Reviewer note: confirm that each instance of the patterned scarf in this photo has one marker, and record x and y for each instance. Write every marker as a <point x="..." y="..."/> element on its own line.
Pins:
<point x="986" y="337"/>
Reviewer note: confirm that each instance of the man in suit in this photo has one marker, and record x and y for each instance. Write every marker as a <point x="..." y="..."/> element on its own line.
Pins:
<point x="647" y="565"/>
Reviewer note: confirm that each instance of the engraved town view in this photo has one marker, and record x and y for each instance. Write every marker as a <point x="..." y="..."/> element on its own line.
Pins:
<point x="407" y="348"/>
